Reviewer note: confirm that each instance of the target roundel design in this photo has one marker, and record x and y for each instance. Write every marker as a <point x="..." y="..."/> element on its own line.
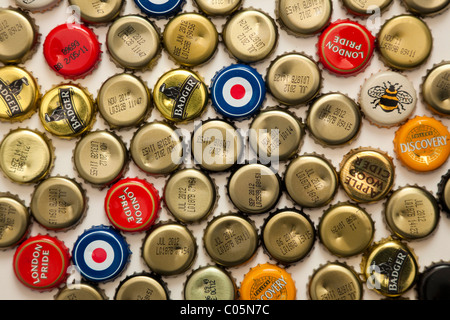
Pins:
<point x="237" y="91"/>
<point x="100" y="253"/>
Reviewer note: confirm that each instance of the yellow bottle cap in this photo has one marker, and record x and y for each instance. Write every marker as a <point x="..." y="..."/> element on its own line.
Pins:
<point x="421" y="144"/>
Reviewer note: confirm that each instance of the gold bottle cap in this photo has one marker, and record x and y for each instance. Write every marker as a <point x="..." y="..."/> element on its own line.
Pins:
<point x="333" y="119"/>
<point x="404" y="42"/>
<point x="133" y="42"/>
<point x="19" y="94"/>
<point x="80" y="291"/>
<point x="37" y="6"/>
<point x="250" y="35"/>
<point x="288" y="236"/>
<point x="436" y="89"/>
<point x="156" y="148"/>
<point x="443" y="193"/>
<point x="412" y="213"/>
<point x="14" y="220"/>
<point x="218" y="8"/>
<point x="180" y="95"/>
<point x="190" y="195"/>
<point x="389" y="267"/>
<point x="426" y="7"/>
<point x="366" y="8"/>
<point x="210" y="283"/>
<point x="254" y="188"/>
<point x="26" y="156"/>
<point x="97" y="12"/>
<point x="303" y="18"/>
<point x="293" y="79"/>
<point x="276" y="134"/>
<point x="231" y="240"/>
<point x="216" y="145"/>
<point x="169" y="249"/>
<point x="124" y="100"/>
<point x="367" y="175"/>
<point x="58" y="203"/>
<point x="18" y="36"/>
<point x="311" y="181"/>
<point x="67" y="111"/>
<point x="335" y="281"/>
<point x="141" y="287"/>
<point x="346" y="229"/>
<point x="100" y="158"/>
<point x="190" y="39"/>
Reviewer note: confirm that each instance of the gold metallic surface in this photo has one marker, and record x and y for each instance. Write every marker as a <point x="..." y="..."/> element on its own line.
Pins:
<point x="210" y="283"/>
<point x="141" y="287"/>
<point x="366" y="8"/>
<point x="426" y="7"/>
<point x="14" y="221"/>
<point x="218" y="8"/>
<point x="95" y="11"/>
<point x="80" y="291"/>
<point x="436" y="89"/>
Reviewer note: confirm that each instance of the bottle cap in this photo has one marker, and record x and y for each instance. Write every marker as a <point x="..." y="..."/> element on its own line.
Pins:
<point x="436" y="89"/>
<point x="389" y="267"/>
<point x="421" y="144"/>
<point x="26" y="156"/>
<point x="38" y="5"/>
<point x="335" y="281"/>
<point x="218" y="8"/>
<point x="41" y="262"/>
<point x="180" y="95"/>
<point x="267" y="282"/>
<point x="98" y="12"/>
<point x="216" y="145"/>
<point x="72" y="50"/>
<point x="142" y="287"/>
<point x="20" y="94"/>
<point x="443" y="193"/>
<point x="288" y="236"/>
<point x="19" y="38"/>
<point x="190" y="39"/>
<point x="434" y="282"/>
<point x="237" y="91"/>
<point x="67" y="111"/>
<point x="387" y="98"/>
<point x="412" y="213"/>
<point x="156" y="148"/>
<point x="124" y="100"/>
<point x="231" y="240"/>
<point x="276" y="134"/>
<point x="367" y="174"/>
<point x="345" y="47"/>
<point x="333" y="119"/>
<point x="100" y="158"/>
<point x="132" y="205"/>
<point x="160" y="9"/>
<point x="210" y="283"/>
<point x="169" y="249"/>
<point x="254" y="188"/>
<point x="311" y="180"/>
<point x="404" y="42"/>
<point x="58" y="203"/>
<point x="293" y="79"/>
<point x="250" y="35"/>
<point x="14" y="220"/>
<point x="80" y="291"/>
<point x="190" y="195"/>
<point x="303" y="20"/>
<point x="346" y="229"/>
<point x="361" y="8"/>
<point x="426" y="8"/>
<point x="100" y="254"/>
<point x="133" y="42"/>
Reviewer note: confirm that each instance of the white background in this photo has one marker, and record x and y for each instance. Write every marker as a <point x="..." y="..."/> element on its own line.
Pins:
<point x="430" y="250"/>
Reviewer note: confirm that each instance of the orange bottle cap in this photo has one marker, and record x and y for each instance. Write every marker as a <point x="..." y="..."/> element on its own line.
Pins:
<point x="267" y="282"/>
<point x="421" y="144"/>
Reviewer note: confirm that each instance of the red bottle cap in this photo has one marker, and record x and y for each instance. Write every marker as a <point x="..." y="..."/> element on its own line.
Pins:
<point x="132" y="205"/>
<point x="345" y="47"/>
<point x="72" y="50"/>
<point x="41" y="262"/>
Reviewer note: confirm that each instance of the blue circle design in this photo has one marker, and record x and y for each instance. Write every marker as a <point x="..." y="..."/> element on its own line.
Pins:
<point x="237" y="71"/>
<point x="111" y="237"/>
<point x="163" y="10"/>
